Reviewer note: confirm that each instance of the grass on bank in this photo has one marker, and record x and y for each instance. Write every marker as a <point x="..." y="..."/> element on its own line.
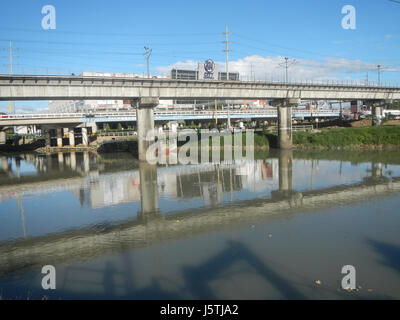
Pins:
<point x="329" y="138"/>
<point x="338" y="137"/>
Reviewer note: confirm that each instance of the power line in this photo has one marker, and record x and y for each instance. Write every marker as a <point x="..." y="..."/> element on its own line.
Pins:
<point x="11" y="50"/>
<point x="114" y="34"/>
<point x="107" y="44"/>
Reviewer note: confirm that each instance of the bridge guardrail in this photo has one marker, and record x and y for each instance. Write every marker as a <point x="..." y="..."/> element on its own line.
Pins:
<point x="156" y="113"/>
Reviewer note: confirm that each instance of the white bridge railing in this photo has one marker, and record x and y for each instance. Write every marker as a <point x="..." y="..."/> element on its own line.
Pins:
<point x="156" y="113"/>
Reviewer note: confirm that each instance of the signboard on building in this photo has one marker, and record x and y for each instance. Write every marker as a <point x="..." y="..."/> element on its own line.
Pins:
<point x="208" y="70"/>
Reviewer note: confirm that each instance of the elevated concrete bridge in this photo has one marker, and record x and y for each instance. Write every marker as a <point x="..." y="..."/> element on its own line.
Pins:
<point x="40" y="87"/>
<point x="145" y="95"/>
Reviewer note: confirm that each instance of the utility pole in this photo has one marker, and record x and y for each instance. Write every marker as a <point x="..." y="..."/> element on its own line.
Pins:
<point x="379" y="74"/>
<point x="147" y="55"/>
<point x="11" y="105"/>
<point x="227" y="50"/>
<point x="367" y="79"/>
<point x="286" y="65"/>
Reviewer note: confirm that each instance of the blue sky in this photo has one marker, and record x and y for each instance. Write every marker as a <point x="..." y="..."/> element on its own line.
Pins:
<point x="109" y="36"/>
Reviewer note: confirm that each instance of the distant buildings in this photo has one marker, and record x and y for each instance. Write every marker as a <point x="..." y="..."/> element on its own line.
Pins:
<point x="207" y="70"/>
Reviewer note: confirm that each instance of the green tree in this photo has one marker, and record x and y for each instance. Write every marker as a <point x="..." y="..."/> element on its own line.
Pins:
<point x="108" y="127"/>
<point x="119" y="127"/>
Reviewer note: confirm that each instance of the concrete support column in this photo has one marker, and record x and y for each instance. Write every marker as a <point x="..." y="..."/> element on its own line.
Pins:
<point x="3" y="138"/>
<point x="48" y="138"/>
<point x="85" y="140"/>
<point x="71" y="136"/>
<point x="148" y="190"/>
<point x="284" y="127"/>
<point x="377" y="113"/>
<point x="285" y="137"/>
<point x="59" y="137"/>
<point x="145" y="123"/>
<point x="93" y="125"/>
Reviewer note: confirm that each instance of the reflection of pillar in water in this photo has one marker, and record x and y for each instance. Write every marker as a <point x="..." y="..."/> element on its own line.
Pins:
<point x="285" y="170"/>
<point x="148" y="189"/>
<point x="18" y="166"/>
<point x="377" y="171"/>
<point x="4" y="164"/>
<point x="73" y="161"/>
<point x="86" y="163"/>
<point x="61" y="160"/>
<point x="22" y="212"/>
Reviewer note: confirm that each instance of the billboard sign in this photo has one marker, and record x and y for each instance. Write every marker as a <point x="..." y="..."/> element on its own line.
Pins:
<point x="208" y="70"/>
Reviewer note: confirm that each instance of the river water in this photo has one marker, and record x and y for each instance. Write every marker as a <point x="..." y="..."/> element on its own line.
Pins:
<point x="279" y="227"/>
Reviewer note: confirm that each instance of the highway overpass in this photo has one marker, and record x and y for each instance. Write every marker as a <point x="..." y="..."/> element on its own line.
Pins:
<point x="145" y="95"/>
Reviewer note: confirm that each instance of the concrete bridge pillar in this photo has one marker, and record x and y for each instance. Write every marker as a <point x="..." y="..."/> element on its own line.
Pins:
<point x="148" y="190"/>
<point x="48" y="138"/>
<point x="59" y="137"/>
<point x="3" y="139"/>
<point x="92" y="125"/>
<point x="71" y="135"/>
<point x="377" y="113"/>
<point x="377" y="110"/>
<point x="145" y="123"/>
<point x="285" y="138"/>
<point x="85" y="140"/>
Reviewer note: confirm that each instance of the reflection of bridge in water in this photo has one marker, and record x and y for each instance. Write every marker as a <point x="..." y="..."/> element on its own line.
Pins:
<point x="151" y="226"/>
<point x="96" y="186"/>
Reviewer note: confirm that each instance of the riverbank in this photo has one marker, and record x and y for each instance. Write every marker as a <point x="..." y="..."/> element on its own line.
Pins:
<point x="368" y="138"/>
<point x="350" y="138"/>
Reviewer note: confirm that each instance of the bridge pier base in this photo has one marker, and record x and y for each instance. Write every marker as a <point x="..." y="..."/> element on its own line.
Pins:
<point x="85" y="140"/>
<point x="145" y="123"/>
<point x="59" y="137"/>
<point x="3" y="137"/>
<point x="377" y="113"/>
<point x="48" y="138"/>
<point x="285" y="137"/>
<point x="71" y="135"/>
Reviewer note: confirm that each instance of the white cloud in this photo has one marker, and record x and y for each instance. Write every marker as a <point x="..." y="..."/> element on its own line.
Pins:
<point x="268" y="68"/>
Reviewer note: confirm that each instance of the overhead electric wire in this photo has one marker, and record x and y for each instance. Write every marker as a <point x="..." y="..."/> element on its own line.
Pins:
<point x="103" y="43"/>
<point x="283" y="47"/>
<point x="114" y="34"/>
